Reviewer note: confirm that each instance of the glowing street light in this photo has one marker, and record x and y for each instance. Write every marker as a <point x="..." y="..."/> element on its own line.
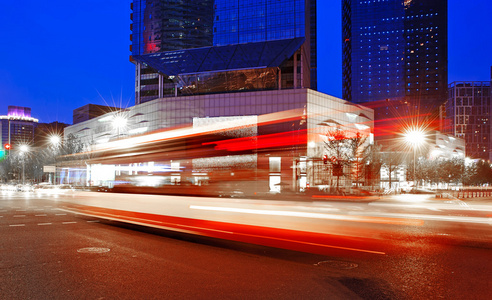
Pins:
<point x="119" y="122"/>
<point x="24" y="148"/>
<point x="55" y="140"/>
<point x="415" y="137"/>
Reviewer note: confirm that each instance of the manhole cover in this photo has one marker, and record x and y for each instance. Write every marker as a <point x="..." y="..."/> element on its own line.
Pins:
<point x="93" y="250"/>
<point x="336" y="264"/>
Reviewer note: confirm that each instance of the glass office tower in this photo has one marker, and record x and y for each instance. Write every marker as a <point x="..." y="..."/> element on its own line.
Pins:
<point x="395" y="50"/>
<point x="468" y="116"/>
<point x="247" y="21"/>
<point x="184" y="48"/>
<point x="170" y="25"/>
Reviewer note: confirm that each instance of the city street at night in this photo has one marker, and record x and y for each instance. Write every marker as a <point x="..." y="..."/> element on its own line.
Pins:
<point x="48" y="250"/>
<point x="249" y="149"/>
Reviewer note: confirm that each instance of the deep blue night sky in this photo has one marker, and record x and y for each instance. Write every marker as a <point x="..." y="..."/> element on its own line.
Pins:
<point x="60" y="55"/>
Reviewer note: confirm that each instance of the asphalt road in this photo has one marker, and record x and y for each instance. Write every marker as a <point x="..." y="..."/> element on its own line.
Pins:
<point x="46" y="253"/>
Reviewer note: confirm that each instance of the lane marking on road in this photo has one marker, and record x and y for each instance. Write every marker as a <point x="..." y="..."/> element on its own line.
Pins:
<point x="43" y="215"/>
<point x="69" y="222"/>
<point x="42" y="224"/>
<point x="60" y="214"/>
<point x="94" y="221"/>
<point x="39" y="209"/>
<point x="3" y="210"/>
<point x="17" y="225"/>
<point x="19" y="216"/>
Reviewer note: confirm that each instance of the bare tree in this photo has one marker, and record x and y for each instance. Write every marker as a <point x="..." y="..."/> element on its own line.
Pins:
<point x="357" y="149"/>
<point x="345" y="151"/>
<point x="392" y="161"/>
<point x="373" y="160"/>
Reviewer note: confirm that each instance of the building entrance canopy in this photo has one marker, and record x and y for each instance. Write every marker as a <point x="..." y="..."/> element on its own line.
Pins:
<point x="222" y="58"/>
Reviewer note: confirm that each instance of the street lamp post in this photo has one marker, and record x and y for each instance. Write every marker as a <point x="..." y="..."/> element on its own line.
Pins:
<point x="55" y="141"/>
<point x="415" y="137"/>
<point x="23" y="149"/>
<point x="119" y="123"/>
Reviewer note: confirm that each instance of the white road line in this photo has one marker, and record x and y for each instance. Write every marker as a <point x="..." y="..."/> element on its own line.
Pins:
<point x="19" y="216"/>
<point x="42" y="224"/>
<point x="60" y="214"/>
<point x="95" y="221"/>
<point x="44" y="215"/>
<point x="69" y="222"/>
<point x="39" y="209"/>
<point x="17" y="225"/>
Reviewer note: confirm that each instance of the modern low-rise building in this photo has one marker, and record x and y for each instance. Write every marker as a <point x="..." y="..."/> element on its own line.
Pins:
<point x="321" y="113"/>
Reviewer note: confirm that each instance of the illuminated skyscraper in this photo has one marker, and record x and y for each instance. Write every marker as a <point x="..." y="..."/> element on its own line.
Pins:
<point x="17" y="127"/>
<point x="184" y="48"/>
<point x="395" y="50"/>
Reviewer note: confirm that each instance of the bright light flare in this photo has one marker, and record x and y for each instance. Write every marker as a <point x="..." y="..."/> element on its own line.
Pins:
<point x="414" y="136"/>
<point x="24" y="148"/>
<point x="119" y="122"/>
<point x="55" y="140"/>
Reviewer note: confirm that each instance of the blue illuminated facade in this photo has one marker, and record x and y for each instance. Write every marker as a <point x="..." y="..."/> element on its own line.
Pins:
<point x="247" y="21"/>
<point x="395" y="50"/>
<point x="222" y="46"/>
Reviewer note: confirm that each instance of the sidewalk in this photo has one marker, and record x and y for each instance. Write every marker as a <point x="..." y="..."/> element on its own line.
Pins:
<point x="434" y="198"/>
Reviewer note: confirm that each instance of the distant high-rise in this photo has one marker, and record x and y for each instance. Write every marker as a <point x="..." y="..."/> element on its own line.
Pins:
<point x="44" y="132"/>
<point x="17" y="127"/>
<point x="91" y="111"/>
<point x="395" y="50"/>
<point x="183" y="48"/>
<point x="468" y="116"/>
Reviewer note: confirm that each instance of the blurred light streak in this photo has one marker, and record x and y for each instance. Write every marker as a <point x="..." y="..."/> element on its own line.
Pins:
<point x="362" y="219"/>
<point x="458" y="219"/>
<point x="341" y="198"/>
<point x="273" y="237"/>
<point x="264" y="141"/>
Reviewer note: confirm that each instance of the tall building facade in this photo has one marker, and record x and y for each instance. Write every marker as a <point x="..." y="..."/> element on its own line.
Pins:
<point x="183" y="48"/>
<point x="17" y="127"/>
<point x="468" y="116"/>
<point x="395" y="50"/>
